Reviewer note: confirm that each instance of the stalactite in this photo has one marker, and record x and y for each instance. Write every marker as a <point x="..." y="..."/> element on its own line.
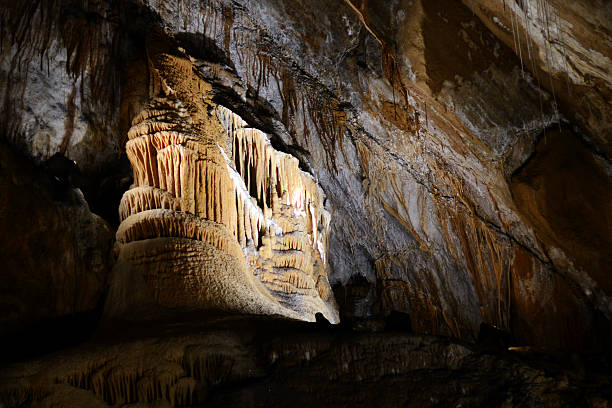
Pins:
<point x="484" y="254"/>
<point x="145" y="198"/>
<point x="328" y="120"/>
<point x="323" y="110"/>
<point x="270" y="172"/>
<point x="252" y="202"/>
<point x="390" y="65"/>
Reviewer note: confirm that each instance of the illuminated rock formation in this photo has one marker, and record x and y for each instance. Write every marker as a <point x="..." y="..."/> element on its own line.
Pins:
<point x="217" y="219"/>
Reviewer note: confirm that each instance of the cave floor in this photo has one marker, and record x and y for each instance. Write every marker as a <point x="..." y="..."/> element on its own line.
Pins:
<point x="265" y="362"/>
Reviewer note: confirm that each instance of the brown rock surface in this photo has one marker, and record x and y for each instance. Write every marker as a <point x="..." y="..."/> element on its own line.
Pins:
<point x="56" y="254"/>
<point x="429" y="127"/>
<point x="567" y="48"/>
<point x="443" y="165"/>
<point x="259" y="362"/>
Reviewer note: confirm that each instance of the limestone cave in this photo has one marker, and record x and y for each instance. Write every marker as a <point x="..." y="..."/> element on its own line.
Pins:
<point x="322" y="203"/>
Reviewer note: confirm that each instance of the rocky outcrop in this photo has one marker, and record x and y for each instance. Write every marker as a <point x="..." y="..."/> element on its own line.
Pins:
<point x="444" y="166"/>
<point x="59" y="80"/>
<point x="56" y="254"/>
<point x="418" y="176"/>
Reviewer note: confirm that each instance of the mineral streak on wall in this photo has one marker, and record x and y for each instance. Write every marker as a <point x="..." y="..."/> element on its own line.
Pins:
<point x="217" y="218"/>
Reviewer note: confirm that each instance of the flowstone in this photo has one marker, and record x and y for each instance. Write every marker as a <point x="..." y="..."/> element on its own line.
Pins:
<point x="216" y="218"/>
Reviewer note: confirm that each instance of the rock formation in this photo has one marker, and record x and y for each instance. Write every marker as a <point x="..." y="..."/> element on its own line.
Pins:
<point x="56" y="254"/>
<point x="216" y="217"/>
<point x="435" y="166"/>
<point x="415" y="141"/>
<point x="255" y="362"/>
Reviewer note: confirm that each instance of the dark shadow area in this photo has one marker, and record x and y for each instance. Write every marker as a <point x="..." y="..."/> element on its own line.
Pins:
<point x="398" y="321"/>
<point x="203" y="48"/>
<point x="55" y="256"/>
<point x="492" y="338"/>
<point x="103" y="191"/>
<point x="50" y="335"/>
<point x="266" y="361"/>
<point x="565" y="194"/>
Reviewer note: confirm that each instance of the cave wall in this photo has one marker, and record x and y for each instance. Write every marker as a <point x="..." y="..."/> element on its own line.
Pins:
<point x="423" y="123"/>
<point x="566" y="48"/>
<point x="56" y="254"/>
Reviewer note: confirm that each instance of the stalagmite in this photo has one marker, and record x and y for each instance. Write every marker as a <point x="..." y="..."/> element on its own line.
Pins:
<point x="217" y="181"/>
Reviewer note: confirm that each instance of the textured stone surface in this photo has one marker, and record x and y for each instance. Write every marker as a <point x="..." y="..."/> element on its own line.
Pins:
<point x="255" y="362"/>
<point x="56" y="254"/>
<point x="423" y="122"/>
<point x="445" y="165"/>
<point x="59" y="82"/>
<point x="418" y="178"/>
<point x="201" y="173"/>
<point x="568" y="49"/>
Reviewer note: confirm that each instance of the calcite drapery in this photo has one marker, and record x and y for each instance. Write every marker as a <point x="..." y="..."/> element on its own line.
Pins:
<point x="217" y="218"/>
